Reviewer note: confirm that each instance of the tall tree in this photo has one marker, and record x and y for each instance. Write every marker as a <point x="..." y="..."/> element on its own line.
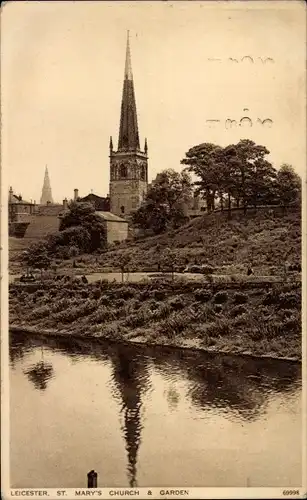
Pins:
<point x="164" y="205"/>
<point x="238" y="171"/>
<point x="203" y="161"/>
<point x="288" y="186"/>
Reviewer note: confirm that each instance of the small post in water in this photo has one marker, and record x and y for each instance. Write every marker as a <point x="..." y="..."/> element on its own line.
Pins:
<point x="92" y="479"/>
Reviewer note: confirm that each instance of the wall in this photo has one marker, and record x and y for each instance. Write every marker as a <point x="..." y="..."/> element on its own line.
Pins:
<point x="126" y="193"/>
<point x="116" y="231"/>
<point x="41" y="225"/>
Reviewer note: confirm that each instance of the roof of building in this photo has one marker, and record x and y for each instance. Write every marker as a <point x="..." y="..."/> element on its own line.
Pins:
<point x="16" y="200"/>
<point x="93" y="196"/>
<point x="110" y="217"/>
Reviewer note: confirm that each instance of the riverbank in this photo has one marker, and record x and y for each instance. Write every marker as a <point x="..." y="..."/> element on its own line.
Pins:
<point x="262" y="322"/>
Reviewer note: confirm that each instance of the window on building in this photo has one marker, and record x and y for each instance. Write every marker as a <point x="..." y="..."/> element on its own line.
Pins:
<point x="122" y="208"/>
<point x="123" y="171"/>
<point x="143" y="173"/>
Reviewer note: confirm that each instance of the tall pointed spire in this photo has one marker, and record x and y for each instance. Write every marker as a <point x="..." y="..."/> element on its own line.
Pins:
<point x="128" y="67"/>
<point x="128" y="139"/>
<point x="46" y="197"/>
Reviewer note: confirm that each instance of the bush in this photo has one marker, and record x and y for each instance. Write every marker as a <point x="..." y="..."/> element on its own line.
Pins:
<point x="40" y="312"/>
<point x="238" y="311"/>
<point x="125" y="292"/>
<point x="159" y="294"/>
<point x="218" y="308"/>
<point x="289" y="300"/>
<point x="221" y="297"/>
<point x="102" y="314"/>
<point x="96" y="294"/>
<point x="240" y="298"/>
<point x="162" y="312"/>
<point x="207" y="270"/>
<point x="202" y="295"/>
<point x="138" y="319"/>
<point x="177" y="303"/>
<point x="220" y="328"/>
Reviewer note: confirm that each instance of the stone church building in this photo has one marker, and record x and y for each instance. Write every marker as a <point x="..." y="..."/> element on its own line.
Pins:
<point x="128" y="164"/>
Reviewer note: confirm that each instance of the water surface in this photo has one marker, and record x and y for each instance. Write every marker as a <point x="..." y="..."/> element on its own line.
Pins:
<point x="150" y="417"/>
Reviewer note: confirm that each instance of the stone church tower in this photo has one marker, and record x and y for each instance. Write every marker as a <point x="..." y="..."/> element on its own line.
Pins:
<point x="128" y="165"/>
<point x="46" y="197"/>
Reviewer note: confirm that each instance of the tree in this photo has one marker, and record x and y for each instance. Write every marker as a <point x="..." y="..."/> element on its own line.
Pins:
<point x="288" y="186"/>
<point x="36" y="257"/>
<point x="123" y="263"/>
<point x="238" y="171"/>
<point x="82" y="215"/>
<point x="169" y="260"/>
<point x="204" y="160"/>
<point x="165" y="202"/>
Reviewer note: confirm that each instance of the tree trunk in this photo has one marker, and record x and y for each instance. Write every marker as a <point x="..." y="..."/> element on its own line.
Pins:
<point x="222" y="202"/>
<point x="229" y="206"/>
<point x="213" y="200"/>
<point x="208" y="200"/>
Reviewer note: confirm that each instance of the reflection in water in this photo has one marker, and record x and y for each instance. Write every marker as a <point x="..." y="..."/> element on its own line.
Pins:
<point x="130" y="375"/>
<point x="173" y="398"/>
<point x="195" y="385"/>
<point x="39" y="374"/>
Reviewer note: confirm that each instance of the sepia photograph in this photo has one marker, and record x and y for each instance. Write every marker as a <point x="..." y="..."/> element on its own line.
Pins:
<point x="153" y="173"/>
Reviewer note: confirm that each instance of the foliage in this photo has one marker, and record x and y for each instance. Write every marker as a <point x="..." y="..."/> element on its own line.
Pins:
<point x="36" y="257"/>
<point x="240" y="298"/>
<point x="203" y="295"/>
<point x="288" y="185"/>
<point x="82" y="215"/>
<point x="220" y="297"/>
<point x="163" y="207"/>
<point x="240" y="173"/>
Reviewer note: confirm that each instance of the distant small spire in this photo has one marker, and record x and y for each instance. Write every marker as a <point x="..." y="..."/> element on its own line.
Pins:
<point x="111" y="144"/>
<point x="146" y="146"/>
<point x="46" y="197"/>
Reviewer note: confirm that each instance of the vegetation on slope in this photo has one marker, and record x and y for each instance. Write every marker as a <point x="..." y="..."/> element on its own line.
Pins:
<point x="265" y="239"/>
<point x="259" y="321"/>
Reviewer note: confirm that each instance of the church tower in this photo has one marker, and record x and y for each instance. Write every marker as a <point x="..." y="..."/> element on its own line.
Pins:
<point x="46" y="197"/>
<point x="129" y="164"/>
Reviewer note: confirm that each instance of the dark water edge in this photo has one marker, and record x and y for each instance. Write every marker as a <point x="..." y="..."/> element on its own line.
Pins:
<point x="33" y="332"/>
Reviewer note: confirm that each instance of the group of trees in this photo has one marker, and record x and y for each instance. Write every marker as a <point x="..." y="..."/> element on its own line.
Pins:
<point x="81" y="231"/>
<point x="238" y="175"/>
<point x="165" y="201"/>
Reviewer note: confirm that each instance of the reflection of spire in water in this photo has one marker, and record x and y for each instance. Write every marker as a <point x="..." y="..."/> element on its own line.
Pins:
<point x="173" y="398"/>
<point x="131" y="379"/>
<point x="39" y="374"/>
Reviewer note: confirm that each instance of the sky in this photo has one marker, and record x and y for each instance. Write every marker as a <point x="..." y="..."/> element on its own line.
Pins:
<point x="62" y="66"/>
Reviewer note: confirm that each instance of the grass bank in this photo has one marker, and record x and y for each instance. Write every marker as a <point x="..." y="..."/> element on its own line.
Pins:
<point x="263" y="238"/>
<point x="256" y="321"/>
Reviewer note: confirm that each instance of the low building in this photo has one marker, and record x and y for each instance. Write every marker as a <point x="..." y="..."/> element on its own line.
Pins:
<point x="116" y="227"/>
<point x="20" y="210"/>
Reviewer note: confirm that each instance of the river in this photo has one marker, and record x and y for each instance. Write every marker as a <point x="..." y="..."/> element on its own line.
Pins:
<point x="146" y="416"/>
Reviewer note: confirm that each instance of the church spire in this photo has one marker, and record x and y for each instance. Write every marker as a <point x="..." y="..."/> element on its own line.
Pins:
<point x="128" y="67"/>
<point x="128" y="139"/>
<point x="46" y="197"/>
